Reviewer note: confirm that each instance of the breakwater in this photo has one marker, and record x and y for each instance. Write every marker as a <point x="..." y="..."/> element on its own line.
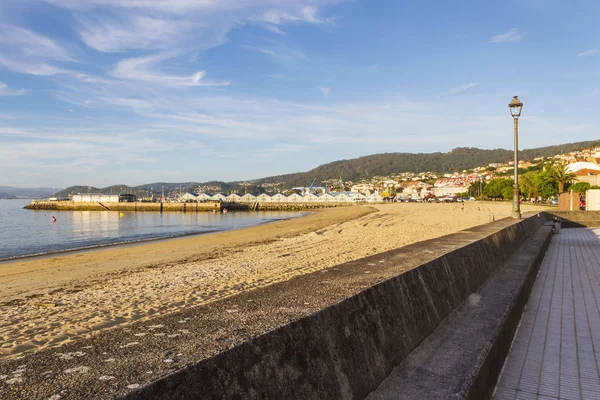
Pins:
<point x="208" y="206"/>
<point x="134" y="206"/>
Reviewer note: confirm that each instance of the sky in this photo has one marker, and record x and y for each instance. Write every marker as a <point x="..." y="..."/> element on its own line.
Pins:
<point x="100" y="92"/>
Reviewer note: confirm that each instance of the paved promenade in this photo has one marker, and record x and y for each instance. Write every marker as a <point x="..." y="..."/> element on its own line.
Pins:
<point x="556" y="351"/>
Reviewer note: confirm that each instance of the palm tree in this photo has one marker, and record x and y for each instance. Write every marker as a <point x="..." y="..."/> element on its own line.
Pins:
<point x="561" y="176"/>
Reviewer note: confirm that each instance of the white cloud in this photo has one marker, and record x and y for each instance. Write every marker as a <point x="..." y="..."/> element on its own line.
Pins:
<point x="512" y="35"/>
<point x="164" y="127"/>
<point x="5" y="91"/>
<point x="14" y="39"/>
<point x="325" y="91"/>
<point x="588" y="53"/>
<point x="116" y="26"/>
<point x="24" y="67"/>
<point x="462" y="88"/>
<point x="135" y="32"/>
<point x="176" y="7"/>
<point x="306" y="14"/>
<point x="279" y="52"/>
<point x="287" y="148"/>
<point x="273" y="29"/>
<point x="27" y="52"/>
<point x="141" y="69"/>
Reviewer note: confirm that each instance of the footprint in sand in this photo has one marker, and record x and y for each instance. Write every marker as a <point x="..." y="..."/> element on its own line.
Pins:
<point x="80" y="369"/>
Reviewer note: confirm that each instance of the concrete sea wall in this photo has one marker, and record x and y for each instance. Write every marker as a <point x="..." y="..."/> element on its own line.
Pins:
<point x="346" y="350"/>
<point x="577" y="219"/>
<point x="287" y="206"/>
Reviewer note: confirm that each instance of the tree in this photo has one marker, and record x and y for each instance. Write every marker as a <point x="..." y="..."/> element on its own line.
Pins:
<point x="507" y="193"/>
<point x="580" y="187"/>
<point x="561" y="176"/>
<point x="546" y="185"/>
<point x="476" y="189"/>
<point x="527" y="184"/>
<point x="495" y="188"/>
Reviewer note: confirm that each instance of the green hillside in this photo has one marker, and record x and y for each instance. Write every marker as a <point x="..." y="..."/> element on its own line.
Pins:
<point x="355" y="169"/>
<point x="389" y="163"/>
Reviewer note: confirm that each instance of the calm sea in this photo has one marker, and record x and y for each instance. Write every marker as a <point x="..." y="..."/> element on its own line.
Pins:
<point x="27" y="232"/>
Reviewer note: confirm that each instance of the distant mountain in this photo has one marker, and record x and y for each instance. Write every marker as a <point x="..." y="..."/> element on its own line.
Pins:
<point x="9" y="192"/>
<point x="147" y="189"/>
<point x="355" y="169"/>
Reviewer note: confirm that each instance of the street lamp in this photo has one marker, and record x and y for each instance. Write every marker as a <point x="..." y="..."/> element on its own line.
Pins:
<point x="515" y="107"/>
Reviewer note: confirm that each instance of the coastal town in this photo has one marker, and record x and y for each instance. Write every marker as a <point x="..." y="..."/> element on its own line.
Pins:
<point x="537" y="182"/>
<point x="583" y="165"/>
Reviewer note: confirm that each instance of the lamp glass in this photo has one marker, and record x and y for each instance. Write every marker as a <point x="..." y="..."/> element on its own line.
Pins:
<point x="515" y="111"/>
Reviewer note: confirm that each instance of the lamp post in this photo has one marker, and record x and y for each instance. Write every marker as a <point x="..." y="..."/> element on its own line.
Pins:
<point x="515" y="107"/>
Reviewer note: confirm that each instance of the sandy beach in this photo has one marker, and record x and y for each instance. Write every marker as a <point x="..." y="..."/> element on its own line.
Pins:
<point x="53" y="300"/>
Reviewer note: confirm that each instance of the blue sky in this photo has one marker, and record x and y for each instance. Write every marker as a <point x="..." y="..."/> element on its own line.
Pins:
<point x="96" y="92"/>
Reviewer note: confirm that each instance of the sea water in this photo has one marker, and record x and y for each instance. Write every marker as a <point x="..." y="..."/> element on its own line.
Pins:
<point x="33" y="232"/>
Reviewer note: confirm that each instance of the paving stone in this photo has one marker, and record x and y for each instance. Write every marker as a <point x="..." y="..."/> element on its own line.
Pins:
<point x="557" y="357"/>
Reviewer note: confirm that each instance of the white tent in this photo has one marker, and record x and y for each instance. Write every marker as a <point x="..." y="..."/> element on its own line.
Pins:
<point x="188" y="197"/>
<point x="248" y="198"/>
<point x="342" y="198"/>
<point x="358" y="197"/>
<point x="279" y="198"/>
<point x="310" y="198"/>
<point x="263" y="198"/>
<point x="295" y="198"/>
<point x="233" y="198"/>
<point x="326" y="197"/>
<point x="375" y="198"/>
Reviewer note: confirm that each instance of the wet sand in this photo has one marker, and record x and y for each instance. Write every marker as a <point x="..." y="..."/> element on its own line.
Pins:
<point x="51" y="301"/>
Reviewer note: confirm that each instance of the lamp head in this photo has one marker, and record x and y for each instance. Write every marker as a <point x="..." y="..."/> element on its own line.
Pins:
<point x="515" y="107"/>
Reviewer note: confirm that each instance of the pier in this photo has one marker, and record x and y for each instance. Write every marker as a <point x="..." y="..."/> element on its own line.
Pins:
<point x="207" y="206"/>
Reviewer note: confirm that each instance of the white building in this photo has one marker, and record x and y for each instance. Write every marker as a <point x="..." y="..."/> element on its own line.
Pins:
<point x="218" y="197"/>
<point x="449" y="190"/>
<point x="203" y="196"/>
<point x="365" y="188"/>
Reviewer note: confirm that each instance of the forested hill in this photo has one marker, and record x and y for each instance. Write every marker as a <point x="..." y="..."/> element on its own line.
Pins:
<point x="358" y="168"/>
<point x="390" y="163"/>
